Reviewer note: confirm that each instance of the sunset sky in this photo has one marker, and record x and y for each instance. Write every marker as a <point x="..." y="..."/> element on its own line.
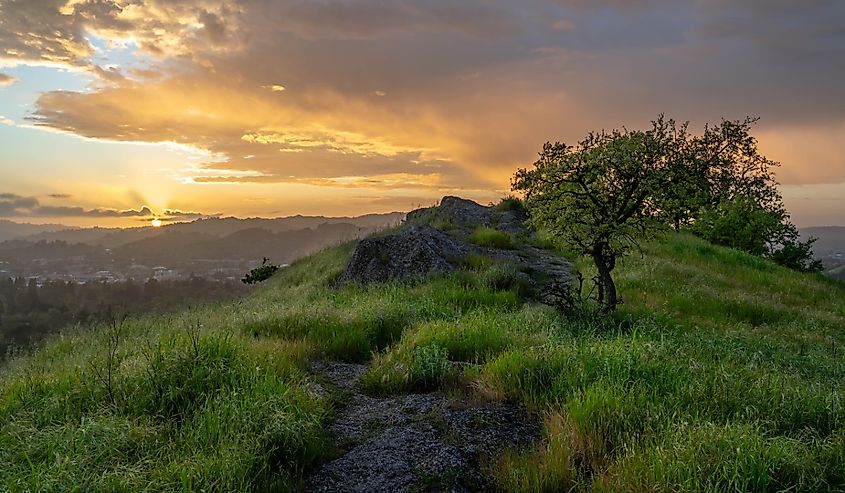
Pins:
<point x="116" y="111"/>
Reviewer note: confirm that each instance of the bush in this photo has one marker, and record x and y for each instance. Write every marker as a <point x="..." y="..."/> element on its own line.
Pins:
<point x="798" y="255"/>
<point x="260" y="274"/>
<point x="745" y="225"/>
<point x="740" y="224"/>
<point x="510" y="203"/>
<point x="492" y="238"/>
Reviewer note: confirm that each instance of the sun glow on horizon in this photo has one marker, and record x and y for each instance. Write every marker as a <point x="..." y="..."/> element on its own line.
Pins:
<point x="156" y="223"/>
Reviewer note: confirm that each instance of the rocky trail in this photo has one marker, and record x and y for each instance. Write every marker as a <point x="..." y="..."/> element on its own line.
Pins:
<point x="429" y="442"/>
<point x="412" y="442"/>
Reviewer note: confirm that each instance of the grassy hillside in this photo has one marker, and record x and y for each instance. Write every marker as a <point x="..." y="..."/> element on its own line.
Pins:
<point x="721" y="372"/>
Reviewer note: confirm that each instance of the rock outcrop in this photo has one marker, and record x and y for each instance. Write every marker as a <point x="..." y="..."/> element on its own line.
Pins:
<point x="420" y="248"/>
<point x="463" y="214"/>
<point x="413" y="251"/>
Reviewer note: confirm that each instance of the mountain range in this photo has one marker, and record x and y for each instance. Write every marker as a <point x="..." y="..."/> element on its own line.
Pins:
<point x="203" y="247"/>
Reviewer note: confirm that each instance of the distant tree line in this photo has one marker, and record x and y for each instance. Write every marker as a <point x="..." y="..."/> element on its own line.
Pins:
<point x="28" y="312"/>
<point x="612" y="189"/>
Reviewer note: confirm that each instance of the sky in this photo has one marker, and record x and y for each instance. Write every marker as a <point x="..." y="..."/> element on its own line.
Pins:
<point x="113" y="112"/>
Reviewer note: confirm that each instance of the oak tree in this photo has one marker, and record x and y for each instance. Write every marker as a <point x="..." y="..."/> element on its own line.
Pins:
<point x="599" y="195"/>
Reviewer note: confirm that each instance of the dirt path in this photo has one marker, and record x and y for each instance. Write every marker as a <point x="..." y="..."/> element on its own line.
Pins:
<point x="413" y="442"/>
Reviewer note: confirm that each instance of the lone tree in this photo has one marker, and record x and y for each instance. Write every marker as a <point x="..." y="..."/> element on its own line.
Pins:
<point x="599" y="196"/>
<point x="612" y="189"/>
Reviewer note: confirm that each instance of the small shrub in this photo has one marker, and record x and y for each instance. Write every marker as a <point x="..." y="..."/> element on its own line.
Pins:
<point x="510" y="203"/>
<point x="492" y="238"/>
<point x="260" y="274"/>
<point x="543" y="239"/>
<point x="430" y="365"/>
<point x="797" y="255"/>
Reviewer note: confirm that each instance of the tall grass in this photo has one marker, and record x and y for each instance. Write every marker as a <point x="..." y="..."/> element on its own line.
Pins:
<point x="721" y="372"/>
<point x="492" y="238"/>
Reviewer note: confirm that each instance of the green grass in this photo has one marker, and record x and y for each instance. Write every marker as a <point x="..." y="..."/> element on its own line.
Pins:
<point x="492" y="238"/>
<point x="722" y="372"/>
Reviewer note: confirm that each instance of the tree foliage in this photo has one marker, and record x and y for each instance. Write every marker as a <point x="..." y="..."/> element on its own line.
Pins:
<point x="261" y="273"/>
<point x="611" y="189"/>
<point x="740" y="223"/>
<point x="599" y="195"/>
<point x="733" y="199"/>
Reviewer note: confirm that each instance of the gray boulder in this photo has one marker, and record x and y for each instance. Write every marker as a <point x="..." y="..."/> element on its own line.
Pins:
<point x="413" y="251"/>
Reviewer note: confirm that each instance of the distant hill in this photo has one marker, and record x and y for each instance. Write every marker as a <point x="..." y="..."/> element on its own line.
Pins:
<point x="10" y="230"/>
<point x="829" y="248"/>
<point x="209" y="248"/>
<point x="831" y="239"/>
<point x="216" y="227"/>
<point x="174" y="244"/>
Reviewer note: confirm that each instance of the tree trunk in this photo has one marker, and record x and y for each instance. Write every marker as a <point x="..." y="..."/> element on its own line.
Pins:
<point x="599" y="288"/>
<point x="607" y="287"/>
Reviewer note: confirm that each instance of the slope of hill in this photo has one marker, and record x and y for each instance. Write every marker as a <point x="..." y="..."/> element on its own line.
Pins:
<point x="721" y="372"/>
<point x="10" y="230"/>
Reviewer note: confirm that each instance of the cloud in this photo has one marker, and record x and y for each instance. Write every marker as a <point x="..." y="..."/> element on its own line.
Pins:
<point x="6" y="80"/>
<point x="177" y="215"/>
<point x="13" y="205"/>
<point x="66" y="211"/>
<point x="56" y="32"/>
<point x="474" y="87"/>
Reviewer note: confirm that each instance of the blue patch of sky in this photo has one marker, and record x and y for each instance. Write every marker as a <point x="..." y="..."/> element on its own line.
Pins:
<point x="17" y="100"/>
<point x="23" y="146"/>
<point x="123" y="54"/>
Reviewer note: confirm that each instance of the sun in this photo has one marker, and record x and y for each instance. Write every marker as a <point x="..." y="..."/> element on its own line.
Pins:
<point x="156" y="223"/>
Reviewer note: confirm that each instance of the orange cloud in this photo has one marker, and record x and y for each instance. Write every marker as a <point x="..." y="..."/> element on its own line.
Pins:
<point x="295" y="93"/>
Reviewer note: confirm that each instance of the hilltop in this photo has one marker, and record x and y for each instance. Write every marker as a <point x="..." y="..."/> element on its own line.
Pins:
<point x="721" y="371"/>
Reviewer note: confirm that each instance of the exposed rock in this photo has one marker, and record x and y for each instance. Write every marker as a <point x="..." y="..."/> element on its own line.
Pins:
<point x="464" y="214"/>
<point x="418" y="249"/>
<point x="414" y="251"/>
<point x="414" y="442"/>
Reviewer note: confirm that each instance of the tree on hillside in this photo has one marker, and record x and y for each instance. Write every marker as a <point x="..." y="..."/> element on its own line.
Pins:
<point x="599" y="196"/>
<point x="726" y="191"/>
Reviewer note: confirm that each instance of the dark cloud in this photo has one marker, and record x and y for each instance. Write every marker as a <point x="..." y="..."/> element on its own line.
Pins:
<point x="177" y="215"/>
<point x="471" y="89"/>
<point x="55" y="31"/>
<point x="13" y="205"/>
<point x="360" y="19"/>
